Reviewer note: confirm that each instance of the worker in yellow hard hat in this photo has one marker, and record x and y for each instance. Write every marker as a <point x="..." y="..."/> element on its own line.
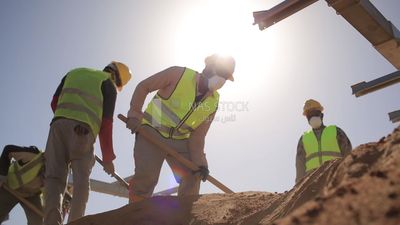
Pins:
<point x="83" y="107"/>
<point x="179" y="116"/>
<point x="320" y="144"/>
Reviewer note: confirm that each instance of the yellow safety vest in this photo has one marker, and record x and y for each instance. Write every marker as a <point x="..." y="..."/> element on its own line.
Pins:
<point x="81" y="98"/>
<point x="177" y="116"/>
<point x="21" y="177"/>
<point x="319" y="152"/>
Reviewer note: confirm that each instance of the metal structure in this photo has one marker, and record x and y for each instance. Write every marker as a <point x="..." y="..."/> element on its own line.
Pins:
<point x="395" y="116"/>
<point x="267" y="18"/>
<point x="366" y="19"/>
<point x="364" y="88"/>
<point x="116" y="189"/>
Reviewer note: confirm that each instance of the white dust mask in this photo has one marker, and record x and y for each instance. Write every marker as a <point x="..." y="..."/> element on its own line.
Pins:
<point x="215" y="82"/>
<point x="315" y="122"/>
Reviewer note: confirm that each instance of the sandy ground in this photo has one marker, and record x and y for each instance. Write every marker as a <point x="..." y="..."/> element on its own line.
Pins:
<point x="363" y="188"/>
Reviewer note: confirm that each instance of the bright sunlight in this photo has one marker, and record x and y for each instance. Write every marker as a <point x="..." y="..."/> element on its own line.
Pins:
<point x="225" y="27"/>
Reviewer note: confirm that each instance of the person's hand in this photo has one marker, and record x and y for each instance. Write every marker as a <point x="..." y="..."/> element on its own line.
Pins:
<point x="109" y="167"/>
<point x="133" y="124"/>
<point x="203" y="172"/>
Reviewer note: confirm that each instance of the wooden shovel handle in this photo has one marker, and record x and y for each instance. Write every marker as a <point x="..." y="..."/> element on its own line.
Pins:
<point x="171" y="152"/>
<point x="115" y="174"/>
<point x="23" y="200"/>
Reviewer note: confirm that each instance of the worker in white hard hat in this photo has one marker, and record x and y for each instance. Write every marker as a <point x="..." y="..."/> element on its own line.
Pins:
<point x="321" y="143"/>
<point x="180" y="115"/>
<point x="83" y="107"/>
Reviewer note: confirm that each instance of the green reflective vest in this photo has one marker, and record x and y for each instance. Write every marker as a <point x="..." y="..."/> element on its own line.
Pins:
<point x="318" y="152"/>
<point x="21" y="177"/>
<point x="81" y="98"/>
<point x="177" y="116"/>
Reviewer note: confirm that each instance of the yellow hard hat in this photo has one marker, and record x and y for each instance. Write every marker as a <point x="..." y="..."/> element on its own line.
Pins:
<point x="123" y="74"/>
<point x="224" y="65"/>
<point x="310" y="105"/>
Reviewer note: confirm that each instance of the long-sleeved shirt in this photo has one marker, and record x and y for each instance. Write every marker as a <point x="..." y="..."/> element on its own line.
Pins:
<point x="21" y="154"/>
<point x="105" y="135"/>
<point x="165" y="82"/>
<point x="344" y="145"/>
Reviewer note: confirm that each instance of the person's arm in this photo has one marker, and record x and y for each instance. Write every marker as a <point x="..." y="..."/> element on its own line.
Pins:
<point x="56" y="95"/>
<point x="4" y="163"/>
<point x="159" y="81"/>
<point x="300" y="160"/>
<point x="344" y="142"/>
<point x="197" y="140"/>
<point x="105" y="133"/>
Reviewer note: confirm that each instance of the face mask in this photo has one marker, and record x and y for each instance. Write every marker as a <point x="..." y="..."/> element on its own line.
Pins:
<point x="315" y="122"/>
<point x="215" y="83"/>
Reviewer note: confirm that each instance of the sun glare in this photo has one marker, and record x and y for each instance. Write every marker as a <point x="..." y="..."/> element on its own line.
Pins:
<point x="223" y="27"/>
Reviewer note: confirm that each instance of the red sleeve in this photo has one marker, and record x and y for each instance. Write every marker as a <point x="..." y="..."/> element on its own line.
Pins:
<point x="106" y="143"/>
<point x="54" y="103"/>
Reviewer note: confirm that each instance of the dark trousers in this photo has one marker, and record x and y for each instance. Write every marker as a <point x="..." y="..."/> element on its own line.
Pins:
<point x="8" y="201"/>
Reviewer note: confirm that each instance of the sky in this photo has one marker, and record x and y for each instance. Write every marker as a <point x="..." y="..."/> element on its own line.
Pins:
<point x="251" y="146"/>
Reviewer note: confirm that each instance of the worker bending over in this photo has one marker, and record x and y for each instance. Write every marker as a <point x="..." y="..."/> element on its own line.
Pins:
<point x="83" y="107"/>
<point x="22" y="171"/>
<point x="179" y="116"/>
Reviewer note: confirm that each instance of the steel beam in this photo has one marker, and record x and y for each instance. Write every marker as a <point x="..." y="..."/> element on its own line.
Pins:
<point x="367" y="20"/>
<point x="394" y="116"/>
<point x="361" y="14"/>
<point x="364" y="88"/>
<point x="167" y="192"/>
<point x="108" y="188"/>
<point x="266" y="18"/>
<point x="116" y="189"/>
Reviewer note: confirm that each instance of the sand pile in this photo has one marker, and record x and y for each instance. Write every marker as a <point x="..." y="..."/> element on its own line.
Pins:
<point x="363" y="188"/>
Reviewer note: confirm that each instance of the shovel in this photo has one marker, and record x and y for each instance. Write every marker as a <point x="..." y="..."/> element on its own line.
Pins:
<point x="23" y="200"/>
<point x="115" y="175"/>
<point x="171" y="152"/>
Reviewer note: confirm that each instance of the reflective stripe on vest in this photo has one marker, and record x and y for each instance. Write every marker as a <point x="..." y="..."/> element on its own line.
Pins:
<point x="18" y="175"/>
<point x="178" y="116"/>
<point x="319" y="152"/>
<point x="81" y="98"/>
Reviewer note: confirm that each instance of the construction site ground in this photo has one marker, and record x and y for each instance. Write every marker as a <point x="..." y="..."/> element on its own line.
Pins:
<point x="363" y="188"/>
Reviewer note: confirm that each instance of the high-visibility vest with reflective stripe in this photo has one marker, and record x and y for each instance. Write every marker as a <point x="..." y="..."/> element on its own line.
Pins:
<point x="318" y="152"/>
<point x="177" y="116"/>
<point x="19" y="176"/>
<point x="81" y="98"/>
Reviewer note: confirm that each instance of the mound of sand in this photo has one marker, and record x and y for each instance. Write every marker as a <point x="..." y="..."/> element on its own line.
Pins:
<point x="363" y="188"/>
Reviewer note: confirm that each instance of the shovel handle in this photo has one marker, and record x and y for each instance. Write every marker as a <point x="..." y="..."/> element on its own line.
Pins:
<point x="23" y="200"/>
<point x="115" y="174"/>
<point x="171" y="152"/>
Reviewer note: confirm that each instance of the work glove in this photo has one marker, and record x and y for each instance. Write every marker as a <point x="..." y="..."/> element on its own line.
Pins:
<point x="108" y="167"/>
<point x="203" y="171"/>
<point x="133" y="124"/>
